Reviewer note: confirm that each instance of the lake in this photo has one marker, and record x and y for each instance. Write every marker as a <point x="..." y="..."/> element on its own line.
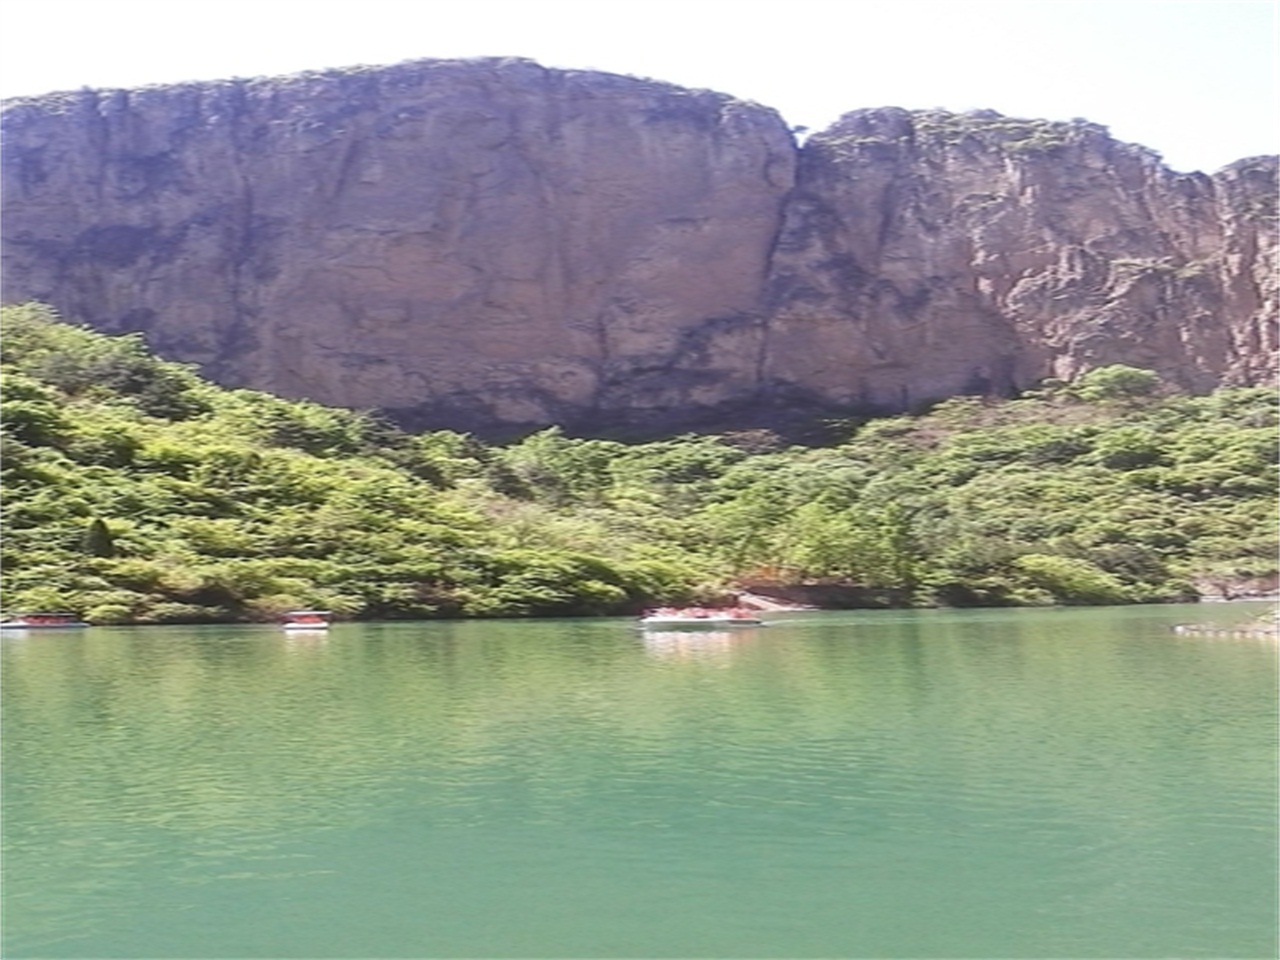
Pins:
<point x="986" y="783"/>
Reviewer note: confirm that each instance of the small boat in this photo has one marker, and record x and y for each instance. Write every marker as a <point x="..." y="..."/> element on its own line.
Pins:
<point x="700" y="617"/>
<point x="42" y="621"/>
<point x="306" y="620"/>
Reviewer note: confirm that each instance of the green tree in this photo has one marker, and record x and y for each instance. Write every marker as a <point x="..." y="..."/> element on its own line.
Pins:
<point x="1116" y="382"/>
<point x="98" y="541"/>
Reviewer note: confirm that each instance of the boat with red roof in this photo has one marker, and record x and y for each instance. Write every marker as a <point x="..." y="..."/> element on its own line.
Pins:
<point x="42" y="621"/>
<point x="306" y="620"/>
<point x="699" y="617"/>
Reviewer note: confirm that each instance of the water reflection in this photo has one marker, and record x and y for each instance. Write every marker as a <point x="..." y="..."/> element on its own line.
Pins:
<point x="689" y="644"/>
<point x="1089" y="770"/>
<point x="300" y="639"/>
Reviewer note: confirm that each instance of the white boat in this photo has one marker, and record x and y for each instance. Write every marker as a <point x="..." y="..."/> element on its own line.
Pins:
<point x="42" y="621"/>
<point x="699" y="618"/>
<point x="306" y="620"/>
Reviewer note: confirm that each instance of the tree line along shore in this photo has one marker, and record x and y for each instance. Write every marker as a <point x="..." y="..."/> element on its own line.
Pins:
<point x="137" y="492"/>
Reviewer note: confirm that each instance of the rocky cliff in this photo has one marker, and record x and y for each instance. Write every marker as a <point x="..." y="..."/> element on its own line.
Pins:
<point x="928" y="254"/>
<point x="493" y="245"/>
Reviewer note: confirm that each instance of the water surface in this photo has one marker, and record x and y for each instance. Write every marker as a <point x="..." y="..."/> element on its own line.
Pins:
<point x="1046" y="783"/>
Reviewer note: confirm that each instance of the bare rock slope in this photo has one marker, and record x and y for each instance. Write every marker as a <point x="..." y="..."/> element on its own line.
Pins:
<point x="492" y="245"/>
<point x="928" y="254"/>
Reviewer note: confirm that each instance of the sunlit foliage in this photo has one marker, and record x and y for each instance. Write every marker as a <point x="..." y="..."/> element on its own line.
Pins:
<point x="137" y="492"/>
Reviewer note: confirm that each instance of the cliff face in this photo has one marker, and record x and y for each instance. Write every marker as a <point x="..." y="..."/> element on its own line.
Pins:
<point x="483" y="242"/>
<point x="931" y="254"/>
<point x="489" y="244"/>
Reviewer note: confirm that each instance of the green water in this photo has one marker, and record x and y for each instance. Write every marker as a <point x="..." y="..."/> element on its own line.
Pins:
<point x="1050" y="783"/>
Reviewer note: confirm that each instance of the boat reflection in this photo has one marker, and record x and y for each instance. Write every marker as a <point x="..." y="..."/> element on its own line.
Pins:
<point x="306" y="639"/>
<point x="689" y="645"/>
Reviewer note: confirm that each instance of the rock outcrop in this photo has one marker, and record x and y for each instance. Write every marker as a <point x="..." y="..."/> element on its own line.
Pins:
<point x="491" y="245"/>
<point x="930" y="254"/>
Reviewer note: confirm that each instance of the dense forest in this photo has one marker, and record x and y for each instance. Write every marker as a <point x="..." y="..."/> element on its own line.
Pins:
<point x="136" y="492"/>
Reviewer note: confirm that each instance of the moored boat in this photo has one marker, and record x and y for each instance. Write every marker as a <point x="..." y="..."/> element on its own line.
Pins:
<point x="700" y="617"/>
<point x="306" y="620"/>
<point x="42" y="621"/>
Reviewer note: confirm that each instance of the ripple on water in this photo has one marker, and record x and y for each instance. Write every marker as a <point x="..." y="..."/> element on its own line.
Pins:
<point x="1033" y="784"/>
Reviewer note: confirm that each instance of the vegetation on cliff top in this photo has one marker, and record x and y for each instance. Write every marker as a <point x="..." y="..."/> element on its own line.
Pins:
<point x="987" y="128"/>
<point x="137" y="492"/>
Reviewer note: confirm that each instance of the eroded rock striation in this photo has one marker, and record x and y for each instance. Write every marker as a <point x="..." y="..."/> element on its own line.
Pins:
<point x="492" y="245"/>
<point x="929" y="254"/>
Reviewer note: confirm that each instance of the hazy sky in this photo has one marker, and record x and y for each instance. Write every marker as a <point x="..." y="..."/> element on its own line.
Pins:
<point x="1194" y="79"/>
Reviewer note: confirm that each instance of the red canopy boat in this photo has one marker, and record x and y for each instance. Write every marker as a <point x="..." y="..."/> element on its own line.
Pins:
<point x="42" y="621"/>
<point x="306" y="620"/>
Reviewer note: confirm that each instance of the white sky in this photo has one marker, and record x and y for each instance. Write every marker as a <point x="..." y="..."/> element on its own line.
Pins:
<point x="1194" y="79"/>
